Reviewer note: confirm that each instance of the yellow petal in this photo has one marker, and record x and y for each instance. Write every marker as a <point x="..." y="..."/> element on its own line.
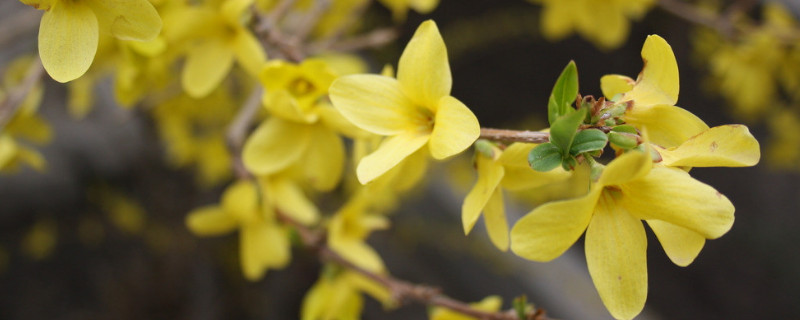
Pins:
<point x="240" y="200"/>
<point x="658" y="82"/>
<point x="263" y="246"/>
<point x="549" y="230"/>
<point x="616" y="254"/>
<point x="723" y="146"/>
<point x="454" y="130"/>
<point x="249" y="52"/>
<point x="423" y="70"/>
<point x="389" y="154"/>
<point x="614" y="84"/>
<point x="32" y="128"/>
<point x="207" y="64"/>
<point x="128" y="19"/>
<point x="282" y="104"/>
<point x="373" y="103"/>
<point x="359" y="253"/>
<point x="681" y="245"/>
<point x="331" y="118"/>
<point x="8" y="150"/>
<point x="673" y="196"/>
<point x="667" y="126"/>
<point x="629" y="166"/>
<point x="411" y="170"/>
<point x="324" y="159"/>
<point x="495" y="218"/>
<point x="274" y="145"/>
<point x="291" y="200"/>
<point x="210" y="221"/>
<point x="68" y="37"/>
<point x="489" y="175"/>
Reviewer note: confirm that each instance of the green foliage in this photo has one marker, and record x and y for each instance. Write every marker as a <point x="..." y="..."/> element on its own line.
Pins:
<point x="588" y="141"/>
<point x="545" y="157"/>
<point x="564" y="93"/>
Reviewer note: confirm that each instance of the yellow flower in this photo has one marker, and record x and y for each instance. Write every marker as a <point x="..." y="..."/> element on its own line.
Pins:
<point x="302" y="127"/>
<point x="488" y="304"/>
<point x="337" y="295"/>
<point x="678" y="208"/>
<point x="69" y="30"/>
<point x="263" y="244"/>
<point x="507" y="168"/>
<point x="414" y="110"/>
<point x="215" y="35"/>
<point x="654" y="94"/>
<point x="349" y="229"/>
<point x="604" y="22"/>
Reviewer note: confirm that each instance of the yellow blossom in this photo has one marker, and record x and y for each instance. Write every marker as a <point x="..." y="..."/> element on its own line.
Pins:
<point x="69" y="30"/>
<point x="507" y="168"/>
<point x="654" y="94"/>
<point x="337" y="295"/>
<point x="302" y="127"/>
<point x="414" y="110"/>
<point x="400" y="7"/>
<point x="263" y="244"/>
<point x="604" y="22"/>
<point x="681" y="211"/>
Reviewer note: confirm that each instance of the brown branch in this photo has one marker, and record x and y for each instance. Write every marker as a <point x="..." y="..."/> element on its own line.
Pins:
<point x="237" y="131"/>
<point x="16" y="96"/>
<point x="373" y="39"/>
<point x="402" y="291"/>
<point x="514" y="135"/>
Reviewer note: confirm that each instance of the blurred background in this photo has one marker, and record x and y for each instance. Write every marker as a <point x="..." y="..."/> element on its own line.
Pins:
<point x="100" y="234"/>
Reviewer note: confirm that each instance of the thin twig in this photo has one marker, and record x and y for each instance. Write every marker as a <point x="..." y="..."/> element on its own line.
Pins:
<point x="310" y="20"/>
<point x="16" y="96"/>
<point x="402" y="291"/>
<point x="373" y="39"/>
<point x="237" y="131"/>
<point x="514" y="135"/>
<point x="690" y="13"/>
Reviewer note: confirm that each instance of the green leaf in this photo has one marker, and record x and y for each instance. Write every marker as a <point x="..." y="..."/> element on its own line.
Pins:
<point x="521" y="306"/>
<point x="625" y="128"/>
<point x="563" y="131"/>
<point x="564" y="93"/>
<point x="588" y="141"/>
<point x="544" y="157"/>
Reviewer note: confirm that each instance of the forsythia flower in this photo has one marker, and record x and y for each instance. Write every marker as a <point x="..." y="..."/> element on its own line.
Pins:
<point x="25" y="124"/>
<point x="507" y="168"/>
<point x="605" y="22"/>
<point x="302" y="127"/>
<point x="69" y="30"/>
<point x="654" y="94"/>
<point x="263" y="243"/>
<point x="415" y="109"/>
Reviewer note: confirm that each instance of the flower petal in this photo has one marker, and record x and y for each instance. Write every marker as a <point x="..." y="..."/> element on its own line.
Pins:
<point x="240" y="200"/>
<point x="206" y="66"/>
<point x="667" y="126"/>
<point x="489" y="175"/>
<point x="263" y="245"/>
<point x="455" y="129"/>
<point x="249" y="52"/>
<point x="391" y="151"/>
<point x="128" y="19"/>
<point x="210" y="221"/>
<point x="629" y="166"/>
<point x="681" y="245"/>
<point x="614" y="84"/>
<point x="423" y="70"/>
<point x="274" y="145"/>
<point x="373" y="103"/>
<point x="290" y="199"/>
<point x="549" y="230"/>
<point x="324" y="159"/>
<point x="494" y="215"/>
<point x="658" y="82"/>
<point x="723" y="146"/>
<point x="616" y="254"/>
<point x="68" y="37"/>
<point x="671" y="195"/>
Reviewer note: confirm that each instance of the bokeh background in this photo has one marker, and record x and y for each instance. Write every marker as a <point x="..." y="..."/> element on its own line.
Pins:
<point x="101" y="234"/>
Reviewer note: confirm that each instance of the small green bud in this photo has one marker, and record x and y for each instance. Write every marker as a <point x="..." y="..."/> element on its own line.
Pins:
<point x="485" y="147"/>
<point x="623" y="140"/>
